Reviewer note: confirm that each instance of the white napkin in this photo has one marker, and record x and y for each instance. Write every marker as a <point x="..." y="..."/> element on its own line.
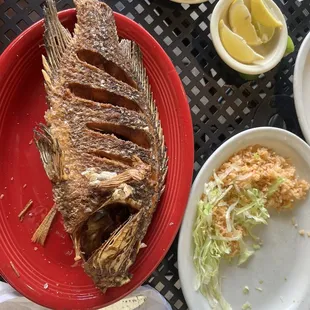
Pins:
<point x="12" y="300"/>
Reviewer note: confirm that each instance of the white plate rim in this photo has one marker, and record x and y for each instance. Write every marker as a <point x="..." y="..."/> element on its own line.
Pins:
<point x="188" y="291"/>
<point x="297" y="86"/>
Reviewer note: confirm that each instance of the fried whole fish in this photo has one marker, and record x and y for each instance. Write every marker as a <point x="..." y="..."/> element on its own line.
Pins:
<point x="102" y="146"/>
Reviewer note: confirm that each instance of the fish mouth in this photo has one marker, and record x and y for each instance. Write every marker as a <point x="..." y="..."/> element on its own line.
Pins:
<point x="101" y="225"/>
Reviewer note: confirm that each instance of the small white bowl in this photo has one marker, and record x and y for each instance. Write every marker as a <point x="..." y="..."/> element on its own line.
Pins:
<point x="284" y="254"/>
<point x="273" y="51"/>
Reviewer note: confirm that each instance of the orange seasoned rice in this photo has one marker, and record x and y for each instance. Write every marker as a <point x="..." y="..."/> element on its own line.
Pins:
<point x="259" y="167"/>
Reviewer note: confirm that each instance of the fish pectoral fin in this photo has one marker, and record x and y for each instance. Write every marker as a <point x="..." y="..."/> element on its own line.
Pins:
<point x="50" y="153"/>
<point x="135" y="174"/>
<point x="42" y="231"/>
<point x="76" y="239"/>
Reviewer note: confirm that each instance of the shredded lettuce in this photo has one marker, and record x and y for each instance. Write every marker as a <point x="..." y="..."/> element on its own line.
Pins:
<point x="210" y="245"/>
<point x="252" y="211"/>
<point x="229" y="221"/>
<point x="256" y="156"/>
<point x="246" y="290"/>
<point x="275" y="186"/>
<point x="246" y="306"/>
<point x="245" y="253"/>
<point x="256" y="246"/>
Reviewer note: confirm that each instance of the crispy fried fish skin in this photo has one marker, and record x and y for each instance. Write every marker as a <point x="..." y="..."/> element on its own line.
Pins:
<point x="102" y="146"/>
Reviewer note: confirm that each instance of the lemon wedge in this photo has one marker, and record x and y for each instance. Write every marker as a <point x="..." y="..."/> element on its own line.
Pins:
<point x="247" y="3"/>
<point x="265" y="33"/>
<point x="236" y="46"/>
<point x="240" y="21"/>
<point x="262" y="14"/>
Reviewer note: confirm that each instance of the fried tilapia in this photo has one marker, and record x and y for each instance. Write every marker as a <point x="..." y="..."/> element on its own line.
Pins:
<point x="102" y="146"/>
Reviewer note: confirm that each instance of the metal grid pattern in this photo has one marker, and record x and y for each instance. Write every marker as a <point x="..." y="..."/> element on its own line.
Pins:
<point x="222" y="104"/>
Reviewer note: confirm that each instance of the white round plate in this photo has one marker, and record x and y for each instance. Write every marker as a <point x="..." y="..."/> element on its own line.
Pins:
<point x="283" y="261"/>
<point x="302" y="87"/>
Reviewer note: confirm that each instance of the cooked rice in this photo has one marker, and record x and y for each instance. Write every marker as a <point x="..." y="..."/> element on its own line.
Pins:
<point x="259" y="167"/>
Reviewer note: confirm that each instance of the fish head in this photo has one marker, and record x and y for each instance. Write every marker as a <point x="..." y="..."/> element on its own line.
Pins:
<point x="109" y="264"/>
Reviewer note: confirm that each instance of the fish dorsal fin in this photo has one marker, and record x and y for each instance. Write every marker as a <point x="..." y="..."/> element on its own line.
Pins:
<point x="56" y="37"/>
<point x="133" y="51"/>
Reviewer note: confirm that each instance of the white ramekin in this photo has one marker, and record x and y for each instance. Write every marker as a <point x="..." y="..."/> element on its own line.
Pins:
<point x="276" y="47"/>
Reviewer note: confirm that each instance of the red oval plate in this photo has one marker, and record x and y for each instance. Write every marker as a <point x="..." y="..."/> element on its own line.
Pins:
<point x="45" y="275"/>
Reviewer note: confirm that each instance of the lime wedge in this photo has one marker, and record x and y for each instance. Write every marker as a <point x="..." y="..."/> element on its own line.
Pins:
<point x="236" y="46"/>
<point x="240" y="21"/>
<point x="290" y="47"/>
<point x="248" y="77"/>
<point x="265" y="33"/>
<point x="261" y="13"/>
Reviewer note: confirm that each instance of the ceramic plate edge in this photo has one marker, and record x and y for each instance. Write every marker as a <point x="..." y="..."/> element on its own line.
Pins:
<point x="191" y="205"/>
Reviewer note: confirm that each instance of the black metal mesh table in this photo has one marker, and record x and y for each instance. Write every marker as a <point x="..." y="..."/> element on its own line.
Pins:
<point x="222" y="104"/>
